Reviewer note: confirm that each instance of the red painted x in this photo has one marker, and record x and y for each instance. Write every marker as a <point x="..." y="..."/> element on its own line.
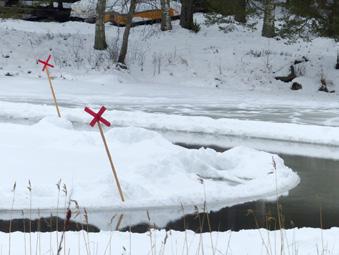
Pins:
<point x="97" y="116"/>
<point x="45" y="63"/>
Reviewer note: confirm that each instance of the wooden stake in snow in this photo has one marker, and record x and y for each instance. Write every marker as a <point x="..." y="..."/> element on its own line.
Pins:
<point x="45" y="68"/>
<point x="97" y="119"/>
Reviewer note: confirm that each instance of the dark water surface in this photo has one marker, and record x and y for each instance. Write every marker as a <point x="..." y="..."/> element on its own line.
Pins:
<point x="48" y="224"/>
<point x="313" y="203"/>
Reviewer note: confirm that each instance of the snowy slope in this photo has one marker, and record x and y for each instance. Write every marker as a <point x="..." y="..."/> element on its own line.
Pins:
<point x="238" y="61"/>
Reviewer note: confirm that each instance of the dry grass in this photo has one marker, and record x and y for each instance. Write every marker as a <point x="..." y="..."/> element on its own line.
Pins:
<point x="73" y="210"/>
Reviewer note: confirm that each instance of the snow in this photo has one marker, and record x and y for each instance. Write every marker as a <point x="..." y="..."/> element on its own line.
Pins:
<point x="152" y="170"/>
<point x="240" y="61"/>
<point x="288" y="132"/>
<point x="295" y="241"/>
<point x="207" y="88"/>
<point x="178" y="82"/>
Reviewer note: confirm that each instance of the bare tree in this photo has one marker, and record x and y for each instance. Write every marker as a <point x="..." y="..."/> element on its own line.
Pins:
<point x="124" y="45"/>
<point x="166" y="23"/>
<point x="269" y="18"/>
<point x="186" y="17"/>
<point x="100" y="37"/>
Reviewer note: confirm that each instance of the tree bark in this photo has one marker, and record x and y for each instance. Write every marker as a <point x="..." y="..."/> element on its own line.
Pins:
<point x="124" y="45"/>
<point x="240" y="11"/>
<point x="166" y="22"/>
<point x="186" y="17"/>
<point x="269" y="18"/>
<point x="336" y="27"/>
<point x="334" y="20"/>
<point x="100" y="36"/>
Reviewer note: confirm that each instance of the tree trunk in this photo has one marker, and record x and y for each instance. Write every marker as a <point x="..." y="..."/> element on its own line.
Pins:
<point x="124" y="45"/>
<point x="334" y="20"/>
<point x="186" y="17"/>
<point x="60" y="6"/>
<point x="336" y="27"/>
<point x="100" y="37"/>
<point x="166" y="23"/>
<point x="240" y="11"/>
<point x="269" y="18"/>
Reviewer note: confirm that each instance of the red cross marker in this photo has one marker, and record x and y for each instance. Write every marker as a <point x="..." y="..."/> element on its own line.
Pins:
<point x="97" y="116"/>
<point x="45" y="68"/>
<point x="46" y="63"/>
<point x="98" y="119"/>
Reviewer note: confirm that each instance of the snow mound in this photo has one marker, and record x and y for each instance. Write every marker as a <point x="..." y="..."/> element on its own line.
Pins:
<point x="52" y="122"/>
<point x="152" y="171"/>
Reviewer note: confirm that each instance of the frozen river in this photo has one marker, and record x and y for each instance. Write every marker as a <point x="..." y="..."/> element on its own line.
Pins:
<point x="321" y="116"/>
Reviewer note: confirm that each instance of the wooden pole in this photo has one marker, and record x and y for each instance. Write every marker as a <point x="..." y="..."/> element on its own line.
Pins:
<point x="111" y="162"/>
<point x="53" y="93"/>
<point x="117" y="227"/>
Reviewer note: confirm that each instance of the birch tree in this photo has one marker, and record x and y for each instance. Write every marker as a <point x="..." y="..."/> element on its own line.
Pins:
<point x="166" y="23"/>
<point x="124" y="45"/>
<point x="100" y="37"/>
<point x="268" y="29"/>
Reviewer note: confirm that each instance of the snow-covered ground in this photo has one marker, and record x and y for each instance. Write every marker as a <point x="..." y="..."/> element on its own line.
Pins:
<point x="207" y="68"/>
<point x="238" y="61"/>
<point x="171" y="77"/>
<point x="303" y="241"/>
<point x="211" y="87"/>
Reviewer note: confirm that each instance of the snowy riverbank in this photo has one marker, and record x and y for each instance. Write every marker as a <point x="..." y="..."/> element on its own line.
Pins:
<point x="238" y="61"/>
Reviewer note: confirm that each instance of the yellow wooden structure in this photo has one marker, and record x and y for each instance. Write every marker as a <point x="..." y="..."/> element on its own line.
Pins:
<point x="149" y="15"/>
